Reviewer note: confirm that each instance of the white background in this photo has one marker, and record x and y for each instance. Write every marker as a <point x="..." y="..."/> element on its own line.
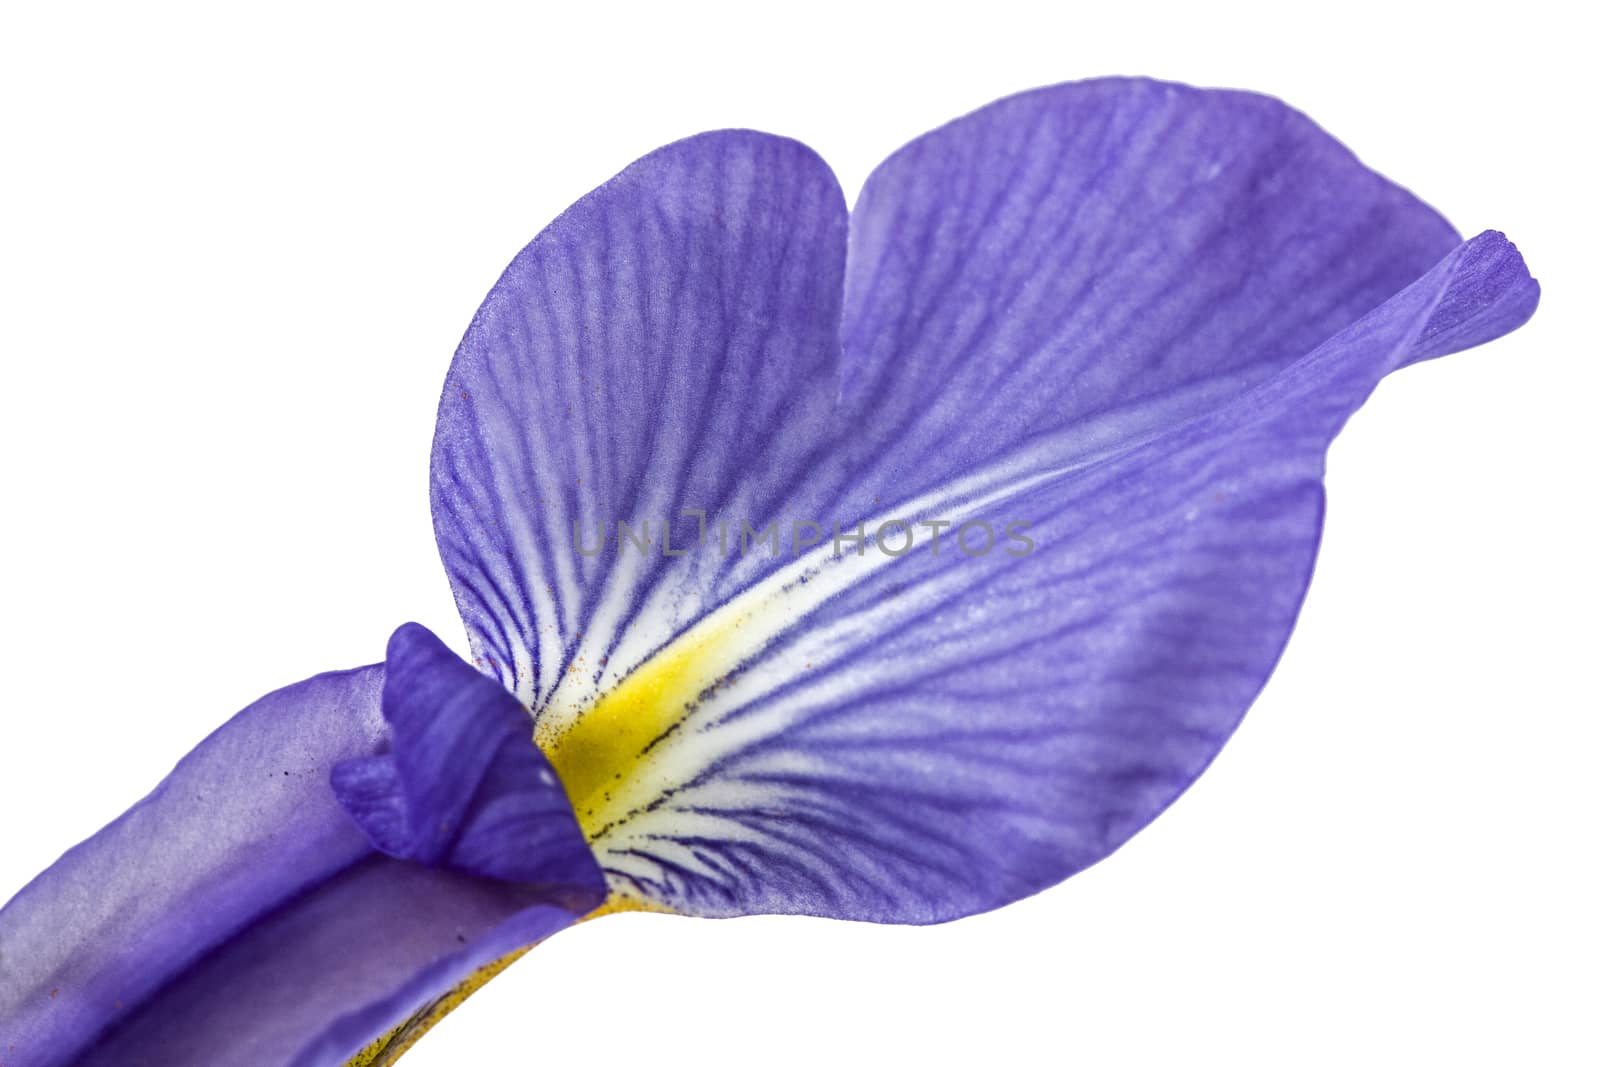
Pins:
<point x="238" y="251"/>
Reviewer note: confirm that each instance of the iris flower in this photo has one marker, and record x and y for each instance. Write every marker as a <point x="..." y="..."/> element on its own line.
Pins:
<point x="890" y="564"/>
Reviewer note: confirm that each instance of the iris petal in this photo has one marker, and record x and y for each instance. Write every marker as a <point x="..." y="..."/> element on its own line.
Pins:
<point x="917" y="739"/>
<point x="1121" y="318"/>
<point x="239" y="915"/>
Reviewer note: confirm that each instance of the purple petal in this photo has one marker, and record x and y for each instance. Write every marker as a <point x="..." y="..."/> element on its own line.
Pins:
<point x="1128" y="315"/>
<point x="918" y="739"/>
<point x="243" y="822"/>
<point x="238" y="915"/>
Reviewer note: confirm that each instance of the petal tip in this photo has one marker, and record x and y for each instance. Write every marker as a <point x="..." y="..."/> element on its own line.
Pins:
<point x="1491" y="293"/>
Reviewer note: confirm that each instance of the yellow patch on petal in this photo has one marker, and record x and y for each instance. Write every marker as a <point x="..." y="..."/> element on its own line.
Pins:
<point x="602" y="754"/>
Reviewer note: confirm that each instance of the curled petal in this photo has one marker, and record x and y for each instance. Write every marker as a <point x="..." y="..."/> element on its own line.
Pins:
<point x="463" y="786"/>
<point x="239" y="915"/>
<point x="243" y="822"/>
